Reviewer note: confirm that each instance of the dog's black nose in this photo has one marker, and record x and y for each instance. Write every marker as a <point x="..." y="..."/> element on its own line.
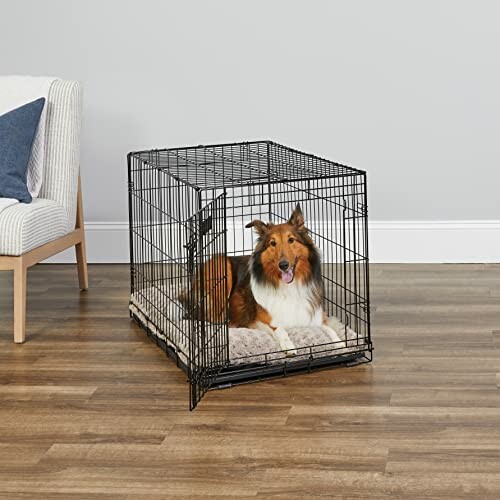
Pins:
<point x="284" y="265"/>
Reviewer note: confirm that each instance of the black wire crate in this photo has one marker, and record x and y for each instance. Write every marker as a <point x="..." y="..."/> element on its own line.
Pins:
<point x="249" y="261"/>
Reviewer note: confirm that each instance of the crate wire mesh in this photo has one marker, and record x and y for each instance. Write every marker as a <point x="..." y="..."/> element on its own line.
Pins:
<point x="187" y="205"/>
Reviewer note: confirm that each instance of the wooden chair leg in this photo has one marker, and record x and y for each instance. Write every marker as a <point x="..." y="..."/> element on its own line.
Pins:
<point x="20" y="275"/>
<point x="81" y="253"/>
<point x="81" y="260"/>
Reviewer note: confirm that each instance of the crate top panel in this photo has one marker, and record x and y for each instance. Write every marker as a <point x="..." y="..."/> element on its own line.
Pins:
<point x="238" y="164"/>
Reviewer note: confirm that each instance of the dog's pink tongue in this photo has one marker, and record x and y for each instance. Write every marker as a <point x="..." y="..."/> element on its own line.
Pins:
<point x="287" y="276"/>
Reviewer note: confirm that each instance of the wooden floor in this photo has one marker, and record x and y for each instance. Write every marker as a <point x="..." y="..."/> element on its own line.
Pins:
<point x="90" y="408"/>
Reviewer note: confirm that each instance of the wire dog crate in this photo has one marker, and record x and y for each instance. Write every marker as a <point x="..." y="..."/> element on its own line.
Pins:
<point x="189" y="205"/>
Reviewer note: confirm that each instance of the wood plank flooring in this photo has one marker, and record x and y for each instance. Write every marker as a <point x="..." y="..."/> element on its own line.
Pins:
<point x="91" y="409"/>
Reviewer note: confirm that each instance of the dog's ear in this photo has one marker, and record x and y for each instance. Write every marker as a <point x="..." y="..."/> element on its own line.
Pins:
<point x="297" y="219"/>
<point x="261" y="227"/>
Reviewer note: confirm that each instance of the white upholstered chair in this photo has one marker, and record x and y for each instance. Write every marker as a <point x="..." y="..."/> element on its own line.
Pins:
<point x="30" y="233"/>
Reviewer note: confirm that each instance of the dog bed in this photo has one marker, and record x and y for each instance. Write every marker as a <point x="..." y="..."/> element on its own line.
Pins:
<point x="246" y="345"/>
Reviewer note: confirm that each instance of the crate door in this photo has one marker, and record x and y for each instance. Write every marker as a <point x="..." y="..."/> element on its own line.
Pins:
<point x="209" y="346"/>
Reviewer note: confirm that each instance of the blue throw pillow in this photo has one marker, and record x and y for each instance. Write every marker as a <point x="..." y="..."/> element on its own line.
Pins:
<point x="17" y="132"/>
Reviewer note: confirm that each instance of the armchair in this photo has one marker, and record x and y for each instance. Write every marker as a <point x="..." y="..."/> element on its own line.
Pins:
<point x="53" y="222"/>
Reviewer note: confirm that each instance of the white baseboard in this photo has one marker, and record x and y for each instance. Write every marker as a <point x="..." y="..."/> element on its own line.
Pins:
<point x="390" y="241"/>
<point x="435" y="241"/>
<point x="107" y="242"/>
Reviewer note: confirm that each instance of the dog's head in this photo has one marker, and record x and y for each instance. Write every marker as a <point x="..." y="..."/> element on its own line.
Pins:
<point x="284" y="252"/>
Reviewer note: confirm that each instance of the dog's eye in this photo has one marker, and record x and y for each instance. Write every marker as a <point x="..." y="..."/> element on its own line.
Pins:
<point x="272" y="243"/>
<point x="291" y="240"/>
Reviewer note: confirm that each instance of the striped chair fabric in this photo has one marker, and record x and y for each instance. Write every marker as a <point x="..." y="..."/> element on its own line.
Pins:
<point x="52" y="215"/>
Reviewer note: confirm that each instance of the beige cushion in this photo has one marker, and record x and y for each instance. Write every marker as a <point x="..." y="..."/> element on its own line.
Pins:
<point x="62" y="148"/>
<point x="27" y="226"/>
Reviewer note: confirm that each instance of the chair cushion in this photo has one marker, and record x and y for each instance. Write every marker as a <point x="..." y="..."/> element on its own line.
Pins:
<point x="62" y="151"/>
<point x="17" y="131"/>
<point x="27" y="226"/>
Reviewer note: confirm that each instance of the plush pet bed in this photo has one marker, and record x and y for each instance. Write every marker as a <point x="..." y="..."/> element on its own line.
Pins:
<point x="245" y="345"/>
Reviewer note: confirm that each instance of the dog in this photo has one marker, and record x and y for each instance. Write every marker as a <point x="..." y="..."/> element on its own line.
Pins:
<point x="279" y="286"/>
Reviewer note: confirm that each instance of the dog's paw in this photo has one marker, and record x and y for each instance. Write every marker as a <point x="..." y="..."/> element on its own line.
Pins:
<point x="289" y="349"/>
<point x="289" y="353"/>
<point x="331" y="333"/>
<point x="285" y="342"/>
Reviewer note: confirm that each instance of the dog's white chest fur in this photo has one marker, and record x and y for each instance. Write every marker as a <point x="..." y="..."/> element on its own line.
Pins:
<point x="289" y="305"/>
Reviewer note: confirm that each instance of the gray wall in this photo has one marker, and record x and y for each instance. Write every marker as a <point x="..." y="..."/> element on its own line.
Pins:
<point x="409" y="91"/>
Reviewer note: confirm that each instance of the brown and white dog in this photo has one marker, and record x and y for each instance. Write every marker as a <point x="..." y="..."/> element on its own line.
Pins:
<point x="278" y="287"/>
